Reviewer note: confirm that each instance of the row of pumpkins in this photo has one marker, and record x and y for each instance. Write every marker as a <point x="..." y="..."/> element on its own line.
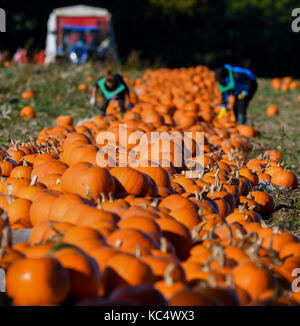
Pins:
<point x="111" y="235"/>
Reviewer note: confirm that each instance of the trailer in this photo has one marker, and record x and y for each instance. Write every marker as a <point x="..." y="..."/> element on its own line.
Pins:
<point x="78" y="33"/>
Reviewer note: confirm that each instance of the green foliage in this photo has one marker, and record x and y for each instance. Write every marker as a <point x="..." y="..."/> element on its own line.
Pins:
<point x="252" y="33"/>
<point x="175" y="6"/>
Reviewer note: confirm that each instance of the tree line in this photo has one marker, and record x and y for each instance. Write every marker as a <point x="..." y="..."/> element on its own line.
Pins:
<point x="252" y="33"/>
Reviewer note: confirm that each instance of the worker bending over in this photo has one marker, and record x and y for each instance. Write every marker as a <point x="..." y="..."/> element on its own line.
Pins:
<point x="112" y="87"/>
<point x="239" y="82"/>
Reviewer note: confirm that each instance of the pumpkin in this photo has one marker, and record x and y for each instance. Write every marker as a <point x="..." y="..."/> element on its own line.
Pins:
<point x="290" y="249"/>
<point x="27" y="112"/>
<point x="178" y="234"/>
<point x="87" y="180"/>
<point x="186" y="216"/>
<point x="82" y="87"/>
<point x="130" y="180"/>
<point x="48" y="229"/>
<point x="159" y="266"/>
<point x="23" y="172"/>
<point x="144" y="224"/>
<point x="39" y="250"/>
<point x="187" y="297"/>
<point x="175" y="201"/>
<point x="272" y="110"/>
<point x="18" y="212"/>
<point x="77" y="234"/>
<point x="253" y="278"/>
<point x="41" y="206"/>
<point x="28" y="94"/>
<point x="148" y="233"/>
<point x="285" y="179"/>
<point x="265" y="201"/>
<point x="143" y="294"/>
<point x="83" y="271"/>
<point x="125" y="269"/>
<point x="158" y="174"/>
<point x="45" y="275"/>
<point x="128" y="238"/>
<point x="64" y="120"/>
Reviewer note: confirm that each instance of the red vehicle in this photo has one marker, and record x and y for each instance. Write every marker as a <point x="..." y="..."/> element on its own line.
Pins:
<point x="79" y="33"/>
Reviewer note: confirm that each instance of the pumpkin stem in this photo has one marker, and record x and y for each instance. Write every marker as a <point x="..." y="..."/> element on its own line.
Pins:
<point x="89" y="193"/>
<point x="276" y="230"/>
<point x="8" y="197"/>
<point x="118" y="243"/>
<point x="24" y="163"/>
<point x="270" y="246"/>
<point x="212" y="188"/>
<point x="206" y="265"/>
<point x="14" y="145"/>
<point x="211" y="233"/>
<point x="220" y="187"/>
<point x="219" y="254"/>
<point x="10" y="189"/>
<point x="6" y="240"/>
<point x="229" y="182"/>
<point x="54" y="229"/>
<point x="253" y="250"/>
<point x="250" y="196"/>
<point x="251" y="208"/>
<point x="247" y="237"/>
<point x="4" y="215"/>
<point x="217" y="172"/>
<point x="33" y="181"/>
<point x="54" y="147"/>
<point x="242" y="208"/>
<point x="99" y="204"/>
<point x="212" y="281"/>
<point x="196" y="231"/>
<point x="167" y="275"/>
<point x="239" y="234"/>
<point x="163" y="245"/>
<point x="200" y="213"/>
<point x="111" y="197"/>
<point x="229" y="281"/>
<point x="203" y="192"/>
<point x="248" y="218"/>
<point x="155" y="202"/>
<point x="103" y="196"/>
<point x="138" y="252"/>
<point x="230" y="236"/>
<point x="263" y="224"/>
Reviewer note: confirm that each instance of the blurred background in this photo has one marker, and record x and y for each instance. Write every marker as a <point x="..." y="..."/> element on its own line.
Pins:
<point x="252" y="33"/>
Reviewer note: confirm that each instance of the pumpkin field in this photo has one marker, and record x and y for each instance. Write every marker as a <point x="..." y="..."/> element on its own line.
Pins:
<point x="156" y="235"/>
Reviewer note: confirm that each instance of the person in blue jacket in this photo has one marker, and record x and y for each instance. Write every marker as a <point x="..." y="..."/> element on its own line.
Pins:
<point x="239" y="82"/>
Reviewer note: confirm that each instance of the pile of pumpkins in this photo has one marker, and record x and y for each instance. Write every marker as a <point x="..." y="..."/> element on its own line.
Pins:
<point x="146" y="235"/>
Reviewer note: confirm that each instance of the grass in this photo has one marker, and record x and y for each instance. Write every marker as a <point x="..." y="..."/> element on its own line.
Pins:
<point x="56" y="93"/>
<point x="282" y="133"/>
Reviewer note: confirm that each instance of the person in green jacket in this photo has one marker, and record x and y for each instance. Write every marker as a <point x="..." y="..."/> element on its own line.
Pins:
<point x="112" y="87"/>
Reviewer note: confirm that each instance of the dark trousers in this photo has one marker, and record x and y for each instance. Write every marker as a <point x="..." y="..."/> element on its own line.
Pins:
<point x="240" y="106"/>
<point x="105" y="102"/>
